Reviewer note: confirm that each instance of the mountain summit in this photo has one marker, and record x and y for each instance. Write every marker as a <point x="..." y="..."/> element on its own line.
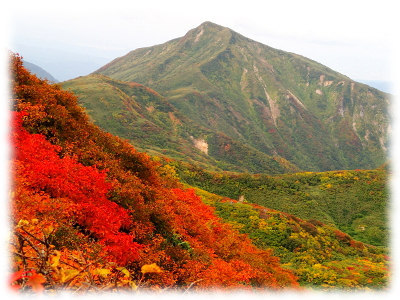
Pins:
<point x="275" y="102"/>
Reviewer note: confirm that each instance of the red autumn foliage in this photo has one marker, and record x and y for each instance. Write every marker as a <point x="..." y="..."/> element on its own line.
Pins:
<point x="38" y="163"/>
<point x="211" y="239"/>
<point x="343" y="237"/>
<point x="70" y="173"/>
<point x="34" y="280"/>
<point x="357" y="244"/>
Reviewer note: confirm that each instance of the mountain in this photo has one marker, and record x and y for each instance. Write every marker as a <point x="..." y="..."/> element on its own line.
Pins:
<point x="279" y="103"/>
<point x="141" y="115"/>
<point x="39" y="72"/>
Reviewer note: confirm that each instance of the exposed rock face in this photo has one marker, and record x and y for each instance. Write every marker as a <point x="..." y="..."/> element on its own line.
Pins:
<point x="200" y="144"/>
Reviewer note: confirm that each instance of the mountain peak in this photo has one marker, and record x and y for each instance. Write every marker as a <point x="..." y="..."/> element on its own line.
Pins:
<point x="274" y="101"/>
<point x="212" y="29"/>
<point x="205" y="31"/>
<point x="211" y="24"/>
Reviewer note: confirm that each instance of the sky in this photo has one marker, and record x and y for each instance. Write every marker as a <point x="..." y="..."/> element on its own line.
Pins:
<point x="74" y="38"/>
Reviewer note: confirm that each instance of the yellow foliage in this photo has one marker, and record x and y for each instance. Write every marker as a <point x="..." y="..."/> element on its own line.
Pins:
<point x="152" y="268"/>
<point x="102" y="272"/>
<point x="303" y="234"/>
<point x="67" y="274"/>
<point x="22" y="223"/>
<point x="55" y="260"/>
<point x="133" y="285"/>
<point x="236" y="225"/>
<point x="319" y="266"/>
<point x="262" y="224"/>
<point x="125" y="281"/>
<point x="253" y="218"/>
<point x="124" y="271"/>
<point x="48" y="229"/>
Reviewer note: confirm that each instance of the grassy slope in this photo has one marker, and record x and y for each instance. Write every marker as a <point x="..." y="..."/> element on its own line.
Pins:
<point x="152" y="124"/>
<point x="250" y="92"/>
<point x="353" y="201"/>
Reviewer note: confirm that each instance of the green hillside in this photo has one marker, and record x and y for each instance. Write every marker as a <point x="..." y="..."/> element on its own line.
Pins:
<point x="276" y="102"/>
<point x="320" y="255"/>
<point x="139" y="114"/>
<point x="353" y="201"/>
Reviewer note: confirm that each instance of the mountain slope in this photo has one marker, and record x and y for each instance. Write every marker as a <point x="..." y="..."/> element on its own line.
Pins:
<point x="277" y="102"/>
<point x="89" y="212"/>
<point x="139" y="114"/>
<point x="39" y="72"/>
<point x="319" y="254"/>
<point x="354" y="201"/>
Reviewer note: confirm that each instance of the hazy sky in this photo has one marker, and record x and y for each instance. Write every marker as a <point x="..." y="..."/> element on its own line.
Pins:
<point x="73" y="38"/>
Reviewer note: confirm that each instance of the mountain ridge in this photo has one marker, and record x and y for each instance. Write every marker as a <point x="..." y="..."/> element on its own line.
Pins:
<point x="39" y="71"/>
<point x="275" y="101"/>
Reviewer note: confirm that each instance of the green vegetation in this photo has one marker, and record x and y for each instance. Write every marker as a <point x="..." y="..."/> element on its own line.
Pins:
<point x="353" y="201"/>
<point x="319" y="254"/>
<point x="275" y="102"/>
<point x="139" y="114"/>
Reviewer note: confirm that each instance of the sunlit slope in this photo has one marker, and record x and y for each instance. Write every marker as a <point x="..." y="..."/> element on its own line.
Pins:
<point x="277" y="102"/>
<point x="319" y="254"/>
<point x="139" y="114"/>
<point x="354" y="201"/>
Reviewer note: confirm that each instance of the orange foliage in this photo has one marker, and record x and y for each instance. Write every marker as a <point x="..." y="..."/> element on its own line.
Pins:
<point x="95" y="204"/>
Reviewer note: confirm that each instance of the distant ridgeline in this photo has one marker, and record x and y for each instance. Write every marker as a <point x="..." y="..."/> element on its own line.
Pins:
<point x="39" y="72"/>
<point x="254" y="108"/>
